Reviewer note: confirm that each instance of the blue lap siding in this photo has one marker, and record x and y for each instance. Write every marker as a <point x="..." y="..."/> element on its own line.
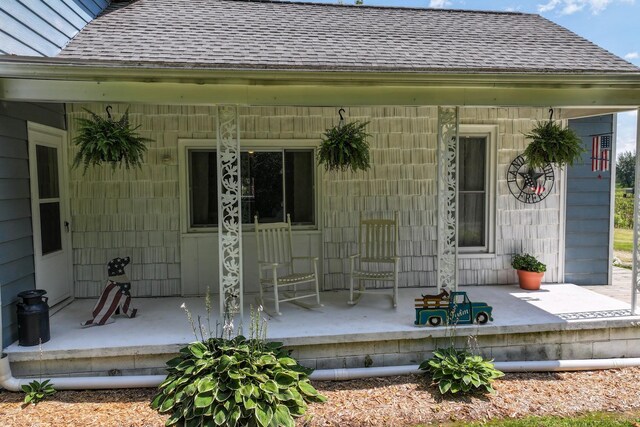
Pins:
<point x="16" y="241"/>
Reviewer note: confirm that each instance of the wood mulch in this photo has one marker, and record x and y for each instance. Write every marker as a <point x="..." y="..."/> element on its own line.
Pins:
<point x="393" y="401"/>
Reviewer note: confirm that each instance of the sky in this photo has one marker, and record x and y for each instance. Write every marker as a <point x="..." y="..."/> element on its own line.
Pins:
<point x="611" y="24"/>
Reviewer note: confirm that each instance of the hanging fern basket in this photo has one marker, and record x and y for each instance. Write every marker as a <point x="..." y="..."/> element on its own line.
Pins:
<point x="550" y="143"/>
<point x="115" y="142"/>
<point x="344" y="147"/>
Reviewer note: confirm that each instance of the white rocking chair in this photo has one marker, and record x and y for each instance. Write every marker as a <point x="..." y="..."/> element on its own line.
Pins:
<point x="378" y="246"/>
<point x="275" y="255"/>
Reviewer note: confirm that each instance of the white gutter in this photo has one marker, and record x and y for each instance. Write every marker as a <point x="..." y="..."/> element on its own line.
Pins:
<point x="8" y="382"/>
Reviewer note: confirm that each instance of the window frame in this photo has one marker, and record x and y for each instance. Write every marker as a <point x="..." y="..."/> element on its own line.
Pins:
<point x="185" y="145"/>
<point x="490" y="132"/>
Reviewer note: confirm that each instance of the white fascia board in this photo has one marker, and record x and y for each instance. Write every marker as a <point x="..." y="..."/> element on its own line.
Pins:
<point x="39" y="80"/>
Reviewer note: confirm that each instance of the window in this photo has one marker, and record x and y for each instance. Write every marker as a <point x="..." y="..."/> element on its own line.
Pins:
<point x="273" y="182"/>
<point x="476" y="203"/>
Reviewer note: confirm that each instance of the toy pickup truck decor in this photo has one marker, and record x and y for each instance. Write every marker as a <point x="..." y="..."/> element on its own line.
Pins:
<point x="449" y="309"/>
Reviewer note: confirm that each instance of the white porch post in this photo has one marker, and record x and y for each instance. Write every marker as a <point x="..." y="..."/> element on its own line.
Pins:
<point x="635" y="284"/>
<point x="448" y="125"/>
<point x="229" y="197"/>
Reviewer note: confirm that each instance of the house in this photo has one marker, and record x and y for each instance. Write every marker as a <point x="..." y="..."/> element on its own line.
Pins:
<point x="265" y="79"/>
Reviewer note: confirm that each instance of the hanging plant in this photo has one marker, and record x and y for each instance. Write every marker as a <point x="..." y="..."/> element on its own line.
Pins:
<point x="552" y="144"/>
<point x="111" y="141"/>
<point x="345" y="147"/>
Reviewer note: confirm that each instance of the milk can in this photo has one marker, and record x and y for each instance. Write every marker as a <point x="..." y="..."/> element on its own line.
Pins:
<point x="33" y="318"/>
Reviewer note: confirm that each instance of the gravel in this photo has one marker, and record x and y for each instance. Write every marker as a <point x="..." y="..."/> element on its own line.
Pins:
<point x="393" y="401"/>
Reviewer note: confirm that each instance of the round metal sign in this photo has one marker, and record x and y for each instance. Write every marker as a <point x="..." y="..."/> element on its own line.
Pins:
<point x="527" y="184"/>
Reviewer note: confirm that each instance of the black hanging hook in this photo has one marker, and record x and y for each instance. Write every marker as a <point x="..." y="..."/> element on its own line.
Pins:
<point x="550" y="114"/>
<point x="340" y="111"/>
<point x="108" y="110"/>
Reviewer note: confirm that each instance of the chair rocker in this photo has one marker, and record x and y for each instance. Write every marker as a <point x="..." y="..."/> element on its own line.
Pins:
<point x="276" y="266"/>
<point x="378" y="258"/>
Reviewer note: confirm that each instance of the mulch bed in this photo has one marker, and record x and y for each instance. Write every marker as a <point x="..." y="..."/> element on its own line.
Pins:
<point x="393" y="401"/>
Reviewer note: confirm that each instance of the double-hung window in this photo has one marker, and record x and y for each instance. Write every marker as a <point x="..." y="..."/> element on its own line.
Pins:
<point x="476" y="201"/>
<point x="274" y="183"/>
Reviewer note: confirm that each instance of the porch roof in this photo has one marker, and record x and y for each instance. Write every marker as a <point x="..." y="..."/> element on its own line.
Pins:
<point x="265" y="34"/>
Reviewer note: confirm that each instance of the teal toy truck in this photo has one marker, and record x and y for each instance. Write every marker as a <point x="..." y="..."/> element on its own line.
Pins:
<point x="454" y="308"/>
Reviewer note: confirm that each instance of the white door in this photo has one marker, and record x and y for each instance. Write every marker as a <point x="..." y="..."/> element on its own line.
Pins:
<point x="50" y="211"/>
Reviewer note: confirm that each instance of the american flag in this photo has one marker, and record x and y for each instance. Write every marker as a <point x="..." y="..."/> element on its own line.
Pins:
<point x="533" y="185"/>
<point x="600" y="152"/>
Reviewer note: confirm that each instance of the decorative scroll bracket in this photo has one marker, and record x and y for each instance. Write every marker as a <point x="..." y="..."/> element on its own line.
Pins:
<point x="448" y="125"/>
<point x="229" y="215"/>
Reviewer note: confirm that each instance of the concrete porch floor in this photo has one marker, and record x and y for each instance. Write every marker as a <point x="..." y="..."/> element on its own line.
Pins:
<point x="340" y="335"/>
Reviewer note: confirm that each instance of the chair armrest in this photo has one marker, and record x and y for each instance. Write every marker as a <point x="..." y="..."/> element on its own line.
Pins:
<point x="267" y="265"/>
<point x="314" y="258"/>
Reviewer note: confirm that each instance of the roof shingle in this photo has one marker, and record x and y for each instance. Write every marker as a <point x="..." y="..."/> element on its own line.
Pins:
<point x="239" y="34"/>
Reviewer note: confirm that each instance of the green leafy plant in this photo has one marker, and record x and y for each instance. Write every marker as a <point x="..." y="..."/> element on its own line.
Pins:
<point x="37" y="391"/>
<point x="527" y="262"/>
<point x="345" y="147"/>
<point x="460" y="371"/>
<point x="550" y="143"/>
<point x="236" y="381"/>
<point x="110" y="141"/>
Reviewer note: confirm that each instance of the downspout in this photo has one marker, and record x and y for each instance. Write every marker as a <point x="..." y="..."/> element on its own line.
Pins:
<point x="8" y="382"/>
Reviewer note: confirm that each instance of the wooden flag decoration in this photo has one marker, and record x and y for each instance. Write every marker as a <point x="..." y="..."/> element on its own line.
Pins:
<point x="115" y="298"/>
<point x="600" y="153"/>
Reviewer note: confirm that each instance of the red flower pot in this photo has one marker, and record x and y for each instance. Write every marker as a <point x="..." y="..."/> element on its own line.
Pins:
<point x="530" y="280"/>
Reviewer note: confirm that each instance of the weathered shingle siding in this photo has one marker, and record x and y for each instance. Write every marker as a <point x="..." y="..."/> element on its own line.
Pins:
<point x="136" y="212"/>
<point x="16" y="241"/>
<point x="43" y="28"/>
<point x="588" y="258"/>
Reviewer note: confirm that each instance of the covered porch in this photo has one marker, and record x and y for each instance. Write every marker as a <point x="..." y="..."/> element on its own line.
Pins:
<point x="561" y="321"/>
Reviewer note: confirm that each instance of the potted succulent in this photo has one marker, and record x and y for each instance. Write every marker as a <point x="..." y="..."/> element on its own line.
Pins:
<point x="345" y="147"/>
<point x="115" y="142"/>
<point x="530" y="271"/>
<point x="551" y="143"/>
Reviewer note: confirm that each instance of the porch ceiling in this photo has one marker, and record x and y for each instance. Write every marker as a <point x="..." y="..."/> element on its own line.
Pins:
<point x="56" y="80"/>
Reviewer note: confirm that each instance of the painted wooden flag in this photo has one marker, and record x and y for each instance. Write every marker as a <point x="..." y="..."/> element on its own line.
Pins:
<point x="600" y="149"/>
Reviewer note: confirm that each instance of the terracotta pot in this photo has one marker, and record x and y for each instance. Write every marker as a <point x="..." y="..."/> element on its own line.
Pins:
<point x="530" y="280"/>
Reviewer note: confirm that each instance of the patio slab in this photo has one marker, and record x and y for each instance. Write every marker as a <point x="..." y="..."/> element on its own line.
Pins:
<point x="161" y="326"/>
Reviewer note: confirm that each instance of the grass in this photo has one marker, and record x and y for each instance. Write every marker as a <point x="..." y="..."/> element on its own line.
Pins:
<point x="595" y="419"/>
<point x="623" y="240"/>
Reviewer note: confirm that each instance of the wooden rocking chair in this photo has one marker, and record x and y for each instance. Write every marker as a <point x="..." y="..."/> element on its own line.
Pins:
<point x="378" y="246"/>
<point x="275" y="255"/>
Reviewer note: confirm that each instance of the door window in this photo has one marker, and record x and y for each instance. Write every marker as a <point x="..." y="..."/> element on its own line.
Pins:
<point x="49" y="199"/>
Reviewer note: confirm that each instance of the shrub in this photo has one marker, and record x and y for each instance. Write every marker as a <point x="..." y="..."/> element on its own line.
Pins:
<point x="234" y="381"/>
<point x="528" y="262"/>
<point x="459" y="371"/>
<point x="37" y="391"/>
<point x="623" y="216"/>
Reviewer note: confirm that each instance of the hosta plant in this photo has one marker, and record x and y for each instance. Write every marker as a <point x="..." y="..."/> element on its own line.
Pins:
<point x="101" y="140"/>
<point x="234" y="382"/>
<point x="460" y="371"/>
<point x="36" y="391"/>
<point x="345" y="147"/>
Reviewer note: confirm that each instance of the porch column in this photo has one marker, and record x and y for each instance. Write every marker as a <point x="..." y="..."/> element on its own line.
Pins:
<point x="635" y="282"/>
<point x="448" y="124"/>
<point x="229" y="217"/>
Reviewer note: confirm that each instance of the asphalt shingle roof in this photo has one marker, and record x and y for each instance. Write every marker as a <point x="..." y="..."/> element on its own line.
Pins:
<point x="280" y="35"/>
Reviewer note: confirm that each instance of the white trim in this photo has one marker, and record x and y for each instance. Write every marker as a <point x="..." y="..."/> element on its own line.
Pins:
<point x="490" y="131"/>
<point x="65" y="207"/>
<point x="186" y="144"/>
<point x="612" y="195"/>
